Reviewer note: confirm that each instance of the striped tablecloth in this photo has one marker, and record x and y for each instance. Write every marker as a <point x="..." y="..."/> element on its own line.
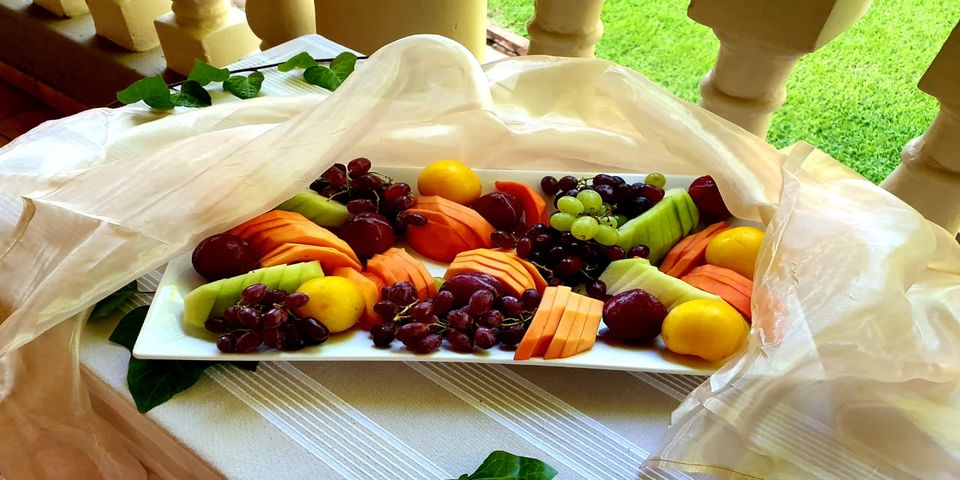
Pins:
<point x="389" y="420"/>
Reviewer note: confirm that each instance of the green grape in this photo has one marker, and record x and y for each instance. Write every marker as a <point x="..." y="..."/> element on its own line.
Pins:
<point x="607" y="235"/>
<point x="590" y="200"/>
<point x="656" y="179"/>
<point x="609" y="221"/>
<point x="606" y="208"/>
<point x="621" y="219"/>
<point x="570" y="205"/>
<point x="584" y="228"/>
<point x="562" y="221"/>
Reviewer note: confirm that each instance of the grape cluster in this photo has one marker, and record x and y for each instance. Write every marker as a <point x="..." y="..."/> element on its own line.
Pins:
<point x="365" y="191"/>
<point x="266" y="317"/>
<point x="617" y="197"/>
<point x="479" y="321"/>
<point x="565" y="260"/>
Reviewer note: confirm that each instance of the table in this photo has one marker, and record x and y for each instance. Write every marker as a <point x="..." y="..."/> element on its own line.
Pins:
<point x="354" y="420"/>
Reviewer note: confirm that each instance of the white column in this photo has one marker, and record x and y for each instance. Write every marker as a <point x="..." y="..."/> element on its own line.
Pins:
<point x="63" y="8"/>
<point x="276" y="21"/>
<point x="128" y="23"/>
<point x="565" y="28"/>
<point x="928" y="177"/>
<point x="759" y="47"/>
<point x="209" y="30"/>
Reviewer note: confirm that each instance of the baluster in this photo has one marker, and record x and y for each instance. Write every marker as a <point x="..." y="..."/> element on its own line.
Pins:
<point x="760" y="42"/>
<point x="276" y="21"/>
<point x="928" y="177"/>
<point x="366" y="25"/>
<point x="209" y="30"/>
<point x="128" y="23"/>
<point x="63" y="8"/>
<point x="565" y="28"/>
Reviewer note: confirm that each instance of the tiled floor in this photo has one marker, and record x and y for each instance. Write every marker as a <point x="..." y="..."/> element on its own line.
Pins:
<point x="20" y="112"/>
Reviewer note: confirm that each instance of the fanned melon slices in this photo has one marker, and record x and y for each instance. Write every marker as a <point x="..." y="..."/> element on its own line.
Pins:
<point x="729" y="285"/>
<point x="690" y="252"/>
<point x="329" y="258"/>
<point x="510" y="254"/>
<point x="565" y="324"/>
<point x="271" y="230"/>
<point x="441" y="239"/>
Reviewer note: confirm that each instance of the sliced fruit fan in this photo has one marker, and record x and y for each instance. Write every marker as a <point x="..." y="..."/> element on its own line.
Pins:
<point x="543" y="271"/>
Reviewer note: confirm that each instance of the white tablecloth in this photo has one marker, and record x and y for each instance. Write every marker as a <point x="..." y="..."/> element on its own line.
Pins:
<point x="354" y="420"/>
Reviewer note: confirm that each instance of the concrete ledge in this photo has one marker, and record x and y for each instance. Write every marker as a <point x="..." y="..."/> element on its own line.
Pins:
<point x="66" y="55"/>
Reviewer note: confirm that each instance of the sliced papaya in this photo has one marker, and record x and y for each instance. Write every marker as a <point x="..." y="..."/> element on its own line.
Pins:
<point x="371" y="295"/>
<point x="534" y="207"/>
<point x="730" y="294"/>
<point x="303" y="232"/>
<point x="696" y="249"/>
<point x="329" y="258"/>
<point x="571" y="342"/>
<point x="418" y="274"/>
<point x="465" y="266"/>
<point x="463" y="214"/>
<point x="387" y="268"/>
<point x="509" y="256"/>
<point x="553" y="321"/>
<point x="726" y="275"/>
<point x="245" y="229"/>
<point x="437" y="240"/>
<point x="517" y="276"/>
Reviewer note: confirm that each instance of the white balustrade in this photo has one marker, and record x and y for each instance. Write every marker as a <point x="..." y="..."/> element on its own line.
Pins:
<point x="366" y="25"/>
<point x="210" y="30"/>
<point x="565" y="28"/>
<point x="760" y="42"/>
<point x="277" y="21"/>
<point x="63" y="8"/>
<point x="928" y="177"/>
<point x="128" y="23"/>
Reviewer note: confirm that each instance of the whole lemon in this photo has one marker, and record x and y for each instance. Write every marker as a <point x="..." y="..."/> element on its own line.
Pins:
<point x="709" y="329"/>
<point x="737" y="249"/>
<point x="334" y="301"/>
<point x="450" y="179"/>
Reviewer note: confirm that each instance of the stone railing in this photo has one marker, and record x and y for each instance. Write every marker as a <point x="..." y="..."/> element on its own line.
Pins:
<point x="761" y="41"/>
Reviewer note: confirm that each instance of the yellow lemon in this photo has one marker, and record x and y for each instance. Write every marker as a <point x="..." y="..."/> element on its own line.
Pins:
<point x="709" y="329"/>
<point x="737" y="249"/>
<point x="335" y="301"/>
<point x="450" y="179"/>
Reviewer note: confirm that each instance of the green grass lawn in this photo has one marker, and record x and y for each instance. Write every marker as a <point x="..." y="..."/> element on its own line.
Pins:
<point x="856" y="98"/>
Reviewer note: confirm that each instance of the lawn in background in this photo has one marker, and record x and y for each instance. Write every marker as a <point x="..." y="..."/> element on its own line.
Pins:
<point x="855" y="98"/>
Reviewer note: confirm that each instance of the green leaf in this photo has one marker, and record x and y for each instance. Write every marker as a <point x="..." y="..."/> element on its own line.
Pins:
<point x="152" y="382"/>
<point x="322" y="77"/>
<point x="300" y="60"/>
<point x="192" y="94"/>
<point x="244" y="87"/>
<point x="501" y="465"/>
<point x="343" y="65"/>
<point x="127" y="331"/>
<point x="152" y="90"/>
<point x="203" y="73"/>
<point x="114" y="301"/>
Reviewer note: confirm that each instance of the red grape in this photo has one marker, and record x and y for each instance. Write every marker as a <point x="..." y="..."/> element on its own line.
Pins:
<point x="421" y="310"/>
<point x="615" y="252"/>
<point x="314" y="331"/>
<point x="396" y="191"/>
<point x="412" y="331"/>
<point x="491" y="319"/>
<point x="606" y="193"/>
<point x="597" y="289"/>
<point x="484" y="338"/>
<point x="480" y="302"/>
<point x="652" y="193"/>
<point x="459" y="341"/>
<point x="222" y="256"/>
<point x="272" y="338"/>
<point x="295" y="300"/>
<point x="463" y="285"/>
<point x="386" y="309"/>
<point x="358" y="166"/>
<point x="640" y="251"/>
<point x="335" y="177"/>
<point x="511" y="306"/>
<point x="216" y="325"/>
<point x="383" y="334"/>
<point x="248" y="342"/>
<point x="443" y="302"/>
<point x="459" y="319"/>
<point x="706" y="196"/>
<point x="427" y="344"/>
<point x="634" y="315"/>
<point x="530" y="299"/>
<point x="549" y="185"/>
<point x="230" y="317"/>
<point x="367" y="234"/>
<point x="226" y="343"/>
<point x="503" y="239"/>
<point x="274" y="296"/>
<point x="415" y="219"/>
<point x="568" y="182"/>
<point x="367" y="181"/>
<point x="570" y="265"/>
<point x="273" y="318"/>
<point x="254" y="294"/>
<point x="249" y="317"/>
<point x="361" y="205"/>
<point x="524" y="247"/>
<point x="292" y="337"/>
<point x="512" y="335"/>
<point x="501" y="209"/>
<point x="400" y="293"/>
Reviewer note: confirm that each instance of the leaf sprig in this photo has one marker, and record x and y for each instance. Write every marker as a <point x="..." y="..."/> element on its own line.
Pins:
<point x="158" y="94"/>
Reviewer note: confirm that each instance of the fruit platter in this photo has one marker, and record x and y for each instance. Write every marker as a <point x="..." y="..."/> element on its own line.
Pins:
<point x="447" y="263"/>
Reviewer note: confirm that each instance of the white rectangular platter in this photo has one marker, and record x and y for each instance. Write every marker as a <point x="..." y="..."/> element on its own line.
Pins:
<point x="164" y="337"/>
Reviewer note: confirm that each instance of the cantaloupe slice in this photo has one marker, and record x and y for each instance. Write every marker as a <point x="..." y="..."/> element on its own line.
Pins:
<point x="543" y="324"/>
<point x="726" y="285"/>
<point x="591" y="326"/>
<point x="568" y="321"/>
<point x="463" y="214"/>
<point x="438" y="240"/>
<point x="419" y="275"/>
<point x="571" y="342"/>
<point x="386" y="268"/>
<point x="457" y="267"/>
<point x="371" y="295"/>
<point x="329" y="258"/>
<point x="244" y="229"/>
<point x="680" y="260"/>
<point x="553" y="321"/>
<point x="547" y="303"/>
<point x="303" y="232"/>
<point x="501" y="256"/>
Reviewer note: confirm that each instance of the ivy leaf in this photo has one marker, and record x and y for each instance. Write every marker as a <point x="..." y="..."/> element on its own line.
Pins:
<point x="127" y="331"/>
<point x="114" y="301"/>
<point x="192" y="94"/>
<point x="244" y="87"/>
<point x="343" y="65"/>
<point x="203" y="73"/>
<point x="152" y="90"/>
<point x="300" y="60"/>
<point x="152" y="382"/>
<point x="322" y="77"/>
<point x="501" y="465"/>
